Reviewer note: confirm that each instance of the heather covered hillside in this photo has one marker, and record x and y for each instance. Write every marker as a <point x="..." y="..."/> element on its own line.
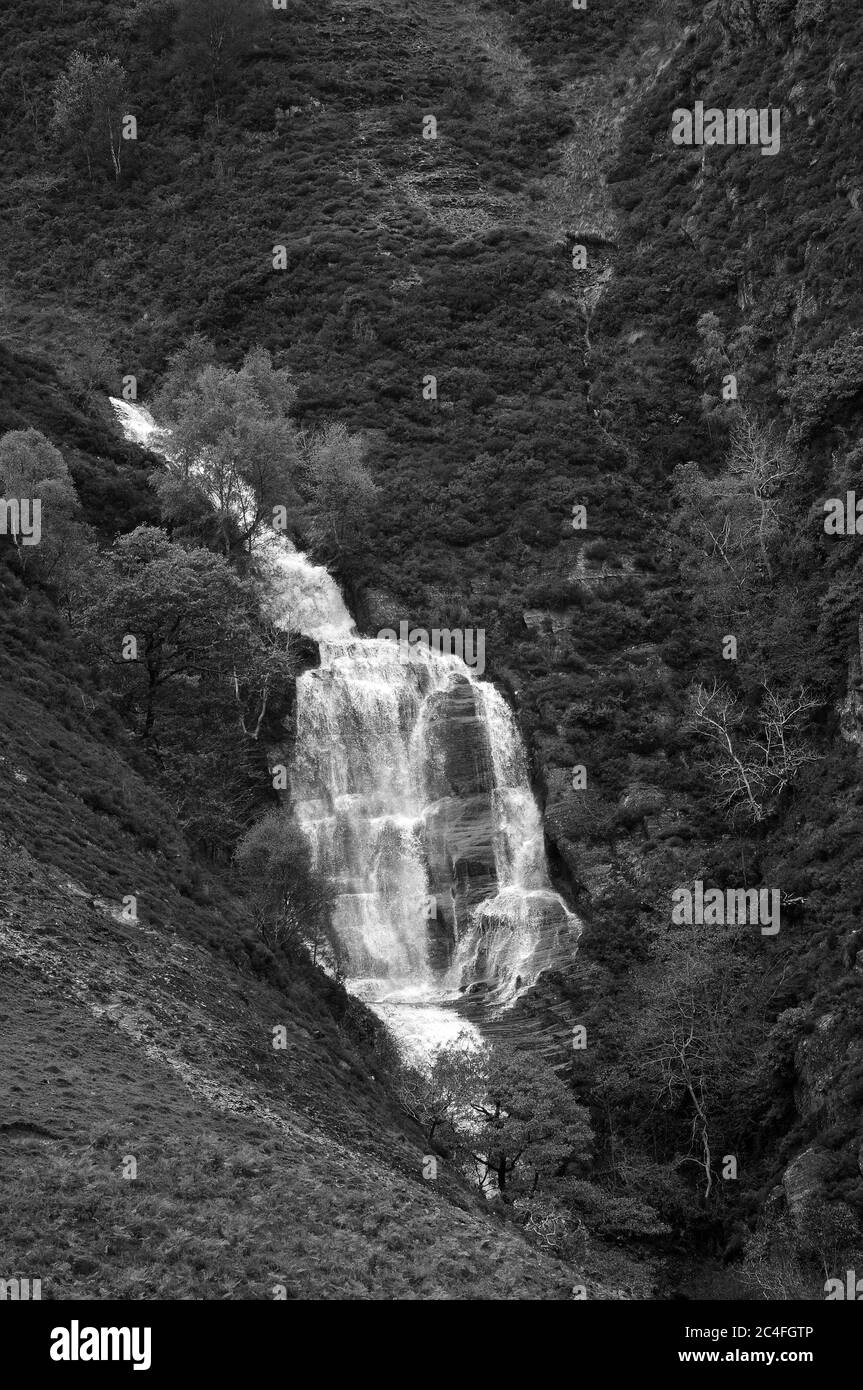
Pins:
<point x="435" y="288"/>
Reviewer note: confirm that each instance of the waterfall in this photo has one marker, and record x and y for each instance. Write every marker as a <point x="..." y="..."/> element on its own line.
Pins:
<point x="410" y="782"/>
<point x="374" y="795"/>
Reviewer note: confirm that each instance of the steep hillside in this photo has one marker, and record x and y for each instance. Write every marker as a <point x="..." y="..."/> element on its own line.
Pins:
<point x="155" y="1142"/>
<point x="562" y="381"/>
<point x="155" y="1145"/>
<point x="733" y="265"/>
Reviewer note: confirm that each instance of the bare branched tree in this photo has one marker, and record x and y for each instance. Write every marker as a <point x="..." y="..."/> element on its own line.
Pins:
<point x="692" y="1048"/>
<point x="736" y="515"/>
<point x="752" y="769"/>
<point x="760" y="464"/>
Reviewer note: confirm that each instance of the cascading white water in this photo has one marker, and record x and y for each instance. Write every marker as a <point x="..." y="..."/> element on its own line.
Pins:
<point x="365" y="785"/>
<point x="508" y="926"/>
<point x="440" y="887"/>
<point x="137" y="423"/>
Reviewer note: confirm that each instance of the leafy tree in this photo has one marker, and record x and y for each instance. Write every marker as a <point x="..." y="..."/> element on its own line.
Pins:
<point x="191" y="617"/>
<point x="531" y="1127"/>
<point x="90" y="370"/>
<point x="436" y="1097"/>
<point x="32" y="468"/>
<point x="291" y="903"/>
<point x="184" y="365"/>
<point x="519" y="1122"/>
<point x="203" y="658"/>
<point x="90" y="101"/>
<point x="233" y="453"/>
<point x="342" y="488"/>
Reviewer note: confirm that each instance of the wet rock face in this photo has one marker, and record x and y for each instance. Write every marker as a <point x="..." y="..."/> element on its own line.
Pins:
<point x="549" y="923"/>
<point x="461" y="863"/>
<point x="459" y="748"/>
<point x="307" y="653"/>
<point x="459" y="825"/>
<point x="498" y="920"/>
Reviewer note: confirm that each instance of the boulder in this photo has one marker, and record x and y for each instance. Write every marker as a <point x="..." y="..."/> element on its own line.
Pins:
<point x="804" y="1180"/>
